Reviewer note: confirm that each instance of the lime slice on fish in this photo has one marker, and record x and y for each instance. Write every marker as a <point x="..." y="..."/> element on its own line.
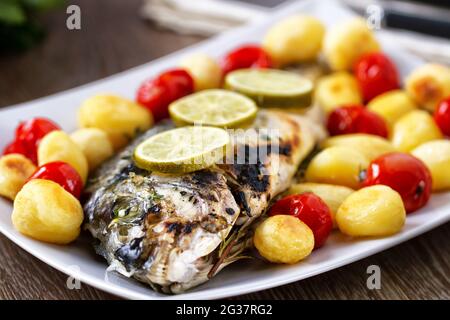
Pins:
<point x="215" y="107"/>
<point x="271" y="88"/>
<point x="182" y="150"/>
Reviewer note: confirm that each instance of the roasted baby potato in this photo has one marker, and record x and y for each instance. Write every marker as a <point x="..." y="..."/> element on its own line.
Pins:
<point x="283" y="239"/>
<point x="295" y="39"/>
<point x="15" y="169"/>
<point x="205" y="70"/>
<point x="429" y="84"/>
<point x="336" y="90"/>
<point x="337" y="165"/>
<point x="392" y="105"/>
<point x="345" y="43"/>
<point x="332" y="195"/>
<point x="369" y="145"/>
<point x="413" y="129"/>
<point x="57" y="146"/>
<point x="95" y="145"/>
<point x="120" y="118"/>
<point x="44" y="211"/>
<point x="436" y="156"/>
<point x="372" y="211"/>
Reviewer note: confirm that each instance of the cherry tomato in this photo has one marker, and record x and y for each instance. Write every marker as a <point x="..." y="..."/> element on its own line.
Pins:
<point x="310" y="209"/>
<point x="61" y="173"/>
<point x="28" y="135"/>
<point x="376" y="74"/>
<point x="178" y="82"/>
<point x="16" y="147"/>
<point x="249" y="56"/>
<point x="404" y="173"/>
<point x="442" y="116"/>
<point x="156" y="94"/>
<point x="356" y="119"/>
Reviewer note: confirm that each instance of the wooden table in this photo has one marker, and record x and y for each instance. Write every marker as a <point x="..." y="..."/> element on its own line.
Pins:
<point x="113" y="38"/>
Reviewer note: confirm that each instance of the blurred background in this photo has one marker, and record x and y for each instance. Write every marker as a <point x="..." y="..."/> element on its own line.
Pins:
<point x="40" y="55"/>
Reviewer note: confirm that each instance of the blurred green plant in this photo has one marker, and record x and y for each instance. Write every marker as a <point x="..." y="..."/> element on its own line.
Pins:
<point x="19" y="28"/>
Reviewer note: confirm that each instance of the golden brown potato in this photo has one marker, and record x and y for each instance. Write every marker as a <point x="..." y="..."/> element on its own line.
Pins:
<point x="44" y="211"/>
<point x="332" y="195"/>
<point x="295" y="39"/>
<point x="372" y="211"/>
<point x="429" y="84"/>
<point x="57" y="146"/>
<point x="413" y="129"/>
<point x="120" y="118"/>
<point x="392" y="105"/>
<point x="337" y="165"/>
<point x="95" y="145"/>
<point x="15" y="169"/>
<point x="369" y="145"/>
<point x="283" y="239"/>
<point x="336" y="90"/>
<point x="205" y="71"/>
<point x="436" y="156"/>
<point x="345" y="43"/>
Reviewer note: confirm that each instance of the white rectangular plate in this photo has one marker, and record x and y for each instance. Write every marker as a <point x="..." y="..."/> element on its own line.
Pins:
<point x="79" y="260"/>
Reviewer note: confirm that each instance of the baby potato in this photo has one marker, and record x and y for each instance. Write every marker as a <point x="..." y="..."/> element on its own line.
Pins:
<point x="392" y="105"/>
<point x="429" y="84"/>
<point x="372" y="211"/>
<point x="283" y="239"/>
<point x="120" y="118"/>
<point x="337" y="165"/>
<point x="15" y="169"/>
<point x="332" y="195"/>
<point x="345" y="43"/>
<point x="205" y="70"/>
<point x="295" y="39"/>
<point x="44" y="211"/>
<point x="436" y="156"/>
<point x="369" y="145"/>
<point x="413" y="129"/>
<point x="336" y="90"/>
<point x="95" y="145"/>
<point x="57" y="146"/>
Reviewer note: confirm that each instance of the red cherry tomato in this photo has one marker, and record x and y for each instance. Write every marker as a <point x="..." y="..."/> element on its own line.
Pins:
<point x="310" y="209"/>
<point x="16" y="147"/>
<point x="404" y="173"/>
<point x="356" y="119"/>
<point x="376" y="74"/>
<point x="442" y="116"/>
<point x="28" y="135"/>
<point x="61" y="173"/>
<point x="178" y="82"/>
<point x="155" y="98"/>
<point x="156" y="94"/>
<point x="250" y="56"/>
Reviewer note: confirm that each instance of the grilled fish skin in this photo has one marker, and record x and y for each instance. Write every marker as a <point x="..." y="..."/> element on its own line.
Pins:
<point x="166" y="230"/>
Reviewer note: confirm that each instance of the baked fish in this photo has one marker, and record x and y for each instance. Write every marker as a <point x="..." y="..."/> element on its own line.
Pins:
<point x="175" y="232"/>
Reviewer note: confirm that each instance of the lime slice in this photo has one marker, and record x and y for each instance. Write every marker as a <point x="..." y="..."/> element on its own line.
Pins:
<point x="271" y="88"/>
<point x="215" y="107"/>
<point x="182" y="150"/>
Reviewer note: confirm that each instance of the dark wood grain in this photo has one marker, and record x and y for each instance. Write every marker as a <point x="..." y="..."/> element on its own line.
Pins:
<point x="113" y="38"/>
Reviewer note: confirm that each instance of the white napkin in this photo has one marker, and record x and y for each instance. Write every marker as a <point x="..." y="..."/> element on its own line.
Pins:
<point x="200" y="17"/>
